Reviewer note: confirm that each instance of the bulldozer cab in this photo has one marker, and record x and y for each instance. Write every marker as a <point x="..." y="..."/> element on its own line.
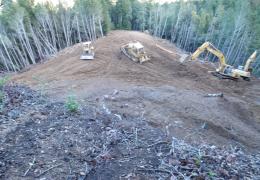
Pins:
<point x="87" y="46"/>
<point x="140" y="51"/>
<point x="138" y="47"/>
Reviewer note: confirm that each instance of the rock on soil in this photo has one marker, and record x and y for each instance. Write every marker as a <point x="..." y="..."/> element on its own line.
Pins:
<point x="41" y="139"/>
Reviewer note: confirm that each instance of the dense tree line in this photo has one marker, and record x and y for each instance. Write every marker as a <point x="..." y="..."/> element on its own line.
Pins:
<point x="30" y="33"/>
<point x="233" y="26"/>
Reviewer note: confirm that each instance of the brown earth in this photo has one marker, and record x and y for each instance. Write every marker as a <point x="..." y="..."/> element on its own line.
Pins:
<point x="167" y="93"/>
<point x="41" y="139"/>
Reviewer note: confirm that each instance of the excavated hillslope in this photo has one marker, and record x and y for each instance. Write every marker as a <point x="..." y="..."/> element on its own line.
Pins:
<point x="167" y="93"/>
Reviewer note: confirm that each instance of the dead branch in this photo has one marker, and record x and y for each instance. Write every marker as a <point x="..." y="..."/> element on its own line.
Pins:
<point x="48" y="170"/>
<point x="30" y="166"/>
<point x="164" y="49"/>
<point x="160" y="142"/>
<point x="155" y="170"/>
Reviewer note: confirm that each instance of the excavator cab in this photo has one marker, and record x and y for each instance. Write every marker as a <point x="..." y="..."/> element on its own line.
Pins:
<point x="88" y="51"/>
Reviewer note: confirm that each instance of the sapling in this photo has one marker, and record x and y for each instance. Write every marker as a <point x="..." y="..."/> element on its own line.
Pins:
<point x="2" y="83"/>
<point x="72" y="104"/>
<point x="42" y="84"/>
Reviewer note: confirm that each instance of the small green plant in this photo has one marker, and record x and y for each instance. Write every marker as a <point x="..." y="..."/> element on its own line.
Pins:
<point x="43" y="84"/>
<point x="211" y="174"/>
<point x="1" y="97"/>
<point x="198" y="161"/>
<point x="3" y="82"/>
<point x="72" y="104"/>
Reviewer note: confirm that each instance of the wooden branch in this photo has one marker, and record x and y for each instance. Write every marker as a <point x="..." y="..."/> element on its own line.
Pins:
<point x="48" y="170"/>
<point x="162" y="48"/>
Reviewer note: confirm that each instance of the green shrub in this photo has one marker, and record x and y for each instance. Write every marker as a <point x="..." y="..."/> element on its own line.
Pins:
<point x="211" y="174"/>
<point x="198" y="161"/>
<point x="3" y="81"/>
<point x="72" y="104"/>
<point x="1" y="97"/>
<point x="1" y="100"/>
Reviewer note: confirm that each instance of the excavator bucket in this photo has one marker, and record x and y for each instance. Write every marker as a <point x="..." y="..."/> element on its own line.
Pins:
<point x="88" y="51"/>
<point x="185" y="57"/>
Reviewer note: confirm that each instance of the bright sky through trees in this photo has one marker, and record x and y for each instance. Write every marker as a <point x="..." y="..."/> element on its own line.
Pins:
<point x="56" y="2"/>
<point x="71" y="2"/>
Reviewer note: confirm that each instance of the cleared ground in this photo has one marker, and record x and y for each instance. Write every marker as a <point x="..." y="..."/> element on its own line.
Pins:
<point x="167" y="93"/>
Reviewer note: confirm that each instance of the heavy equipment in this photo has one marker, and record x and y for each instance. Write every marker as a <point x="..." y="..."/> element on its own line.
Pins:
<point x="88" y="51"/>
<point x="224" y="70"/>
<point x="135" y="51"/>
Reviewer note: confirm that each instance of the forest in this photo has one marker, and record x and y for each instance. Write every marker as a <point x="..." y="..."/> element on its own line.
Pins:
<point x="30" y="32"/>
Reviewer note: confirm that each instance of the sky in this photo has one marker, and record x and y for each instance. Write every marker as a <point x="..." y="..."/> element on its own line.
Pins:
<point x="70" y="2"/>
<point x="164" y="1"/>
<point x="56" y="2"/>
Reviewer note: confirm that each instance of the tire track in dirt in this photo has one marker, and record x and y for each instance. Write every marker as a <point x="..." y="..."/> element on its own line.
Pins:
<point x="187" y="83"/>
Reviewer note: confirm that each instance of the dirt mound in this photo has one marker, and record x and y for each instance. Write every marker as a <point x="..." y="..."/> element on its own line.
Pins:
<point x="109" y="63"/>
<point x="168" y="93"/>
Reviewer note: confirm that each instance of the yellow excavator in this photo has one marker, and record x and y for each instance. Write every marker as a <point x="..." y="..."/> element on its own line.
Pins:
<point x="224" y="70"/>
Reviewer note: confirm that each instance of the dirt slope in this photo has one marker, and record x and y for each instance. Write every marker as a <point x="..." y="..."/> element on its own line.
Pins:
<point x="41" y="139"/>
<point x="169" y="94"/>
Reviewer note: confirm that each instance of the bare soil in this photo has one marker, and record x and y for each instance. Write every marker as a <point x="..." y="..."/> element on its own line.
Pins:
<point x="41" y="139"/>
<point x="149" y="121"/>
<point x="167" y="93"/>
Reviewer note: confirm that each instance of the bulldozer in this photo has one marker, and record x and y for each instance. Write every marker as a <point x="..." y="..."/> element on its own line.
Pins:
<point x="88" y="51"/>
<point x="224" y="70"/>
<point x="135" y="52"/>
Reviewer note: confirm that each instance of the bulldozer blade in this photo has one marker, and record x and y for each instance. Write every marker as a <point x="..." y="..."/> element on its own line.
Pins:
<point x="87" y="57"/>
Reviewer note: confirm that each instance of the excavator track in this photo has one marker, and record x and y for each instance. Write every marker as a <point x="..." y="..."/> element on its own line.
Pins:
<point x="222" y="76"/>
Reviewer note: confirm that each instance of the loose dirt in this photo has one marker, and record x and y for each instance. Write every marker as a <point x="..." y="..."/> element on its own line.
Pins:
<point x="167" y="93"/>
<point x="41" y="139"/>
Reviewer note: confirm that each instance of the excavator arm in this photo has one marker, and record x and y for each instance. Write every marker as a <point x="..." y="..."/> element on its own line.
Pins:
<point x="224" y="70"/>
<point x="250" y="60"/>
<point x="207" y="46"/>
<point x="200" y="50"/>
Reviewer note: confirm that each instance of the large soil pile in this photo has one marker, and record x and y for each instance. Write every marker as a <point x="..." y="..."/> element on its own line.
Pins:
<point x="167" y="93"/>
